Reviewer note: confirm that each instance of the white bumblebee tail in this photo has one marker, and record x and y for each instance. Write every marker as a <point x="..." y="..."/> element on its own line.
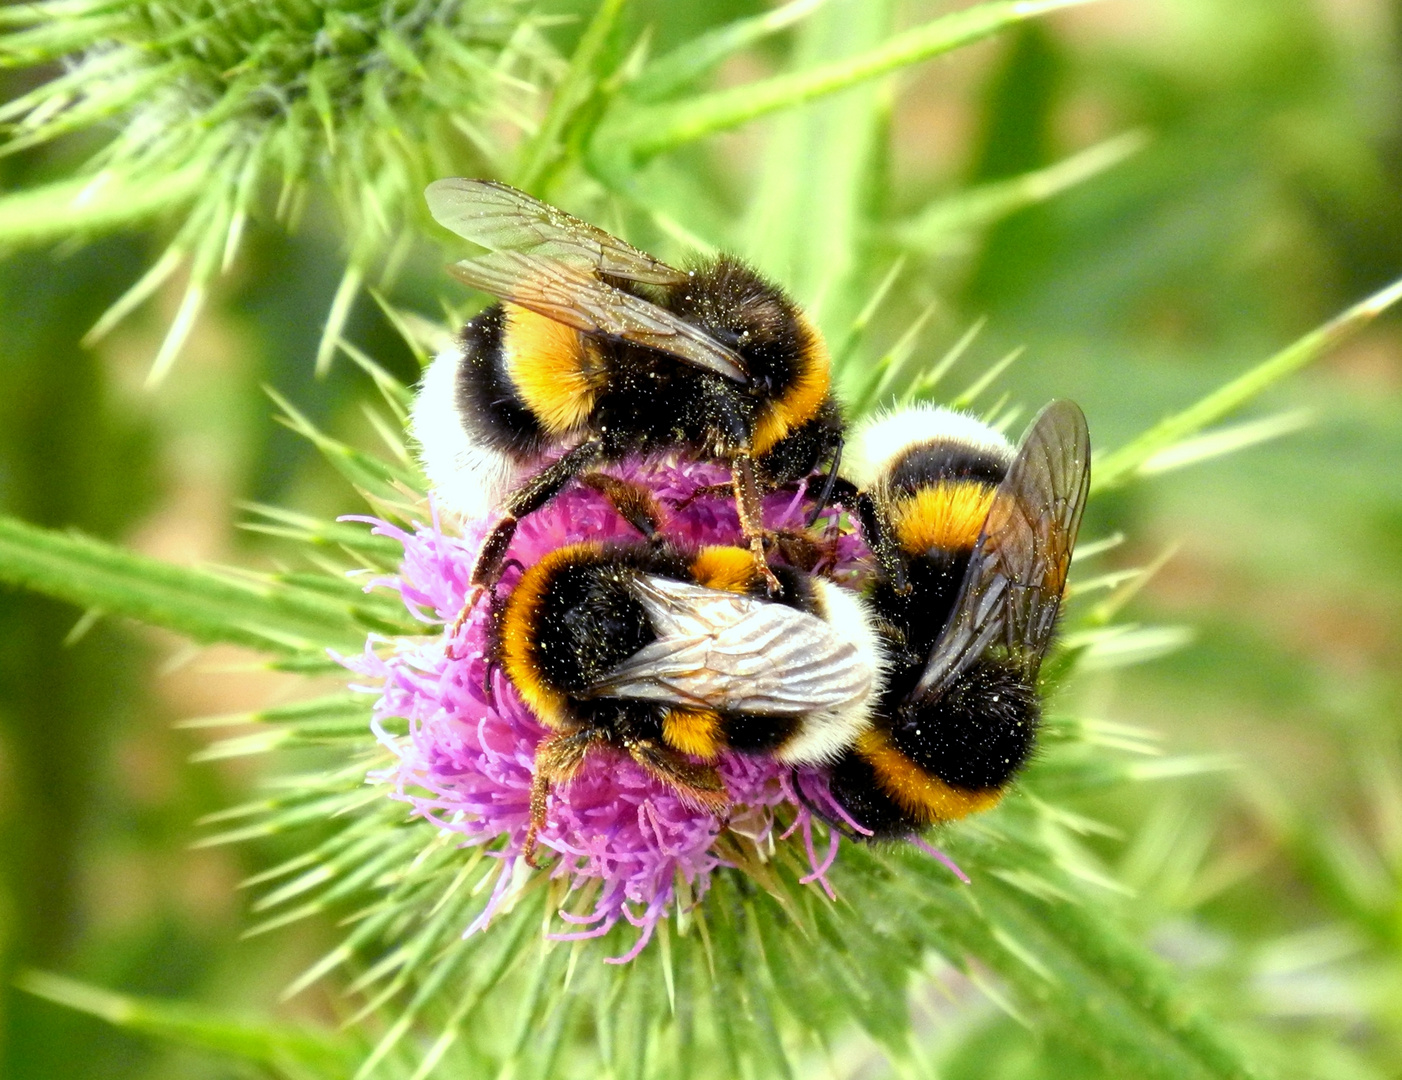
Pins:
<point x="465" y="476"/>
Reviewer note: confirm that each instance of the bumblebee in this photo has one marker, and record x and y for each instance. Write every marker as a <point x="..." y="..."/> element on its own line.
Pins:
<point x="599" y="351"/>
<point x="972" y="540"/>
<point x="671" y="657"/>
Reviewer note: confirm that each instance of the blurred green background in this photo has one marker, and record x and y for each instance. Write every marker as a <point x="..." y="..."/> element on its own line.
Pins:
<point x="1267" y="197"/>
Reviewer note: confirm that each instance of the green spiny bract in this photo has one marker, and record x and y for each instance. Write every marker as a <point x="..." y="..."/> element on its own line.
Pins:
<point x="216" y="112"/>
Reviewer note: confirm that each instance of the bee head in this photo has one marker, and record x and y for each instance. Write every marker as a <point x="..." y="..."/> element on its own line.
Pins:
<point x="755" y="318"/>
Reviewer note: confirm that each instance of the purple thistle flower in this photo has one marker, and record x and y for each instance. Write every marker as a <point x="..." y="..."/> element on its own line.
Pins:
<point x="466" y="762"/>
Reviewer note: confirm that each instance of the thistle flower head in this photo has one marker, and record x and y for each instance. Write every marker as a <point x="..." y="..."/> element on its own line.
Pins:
<point x="205" y="111"/>
<point x="623" y="837"/>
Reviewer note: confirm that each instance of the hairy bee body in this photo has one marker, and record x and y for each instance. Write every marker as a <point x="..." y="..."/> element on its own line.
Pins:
<point x="672" y="657"/>
<point x="972" y="540"/>
<point x="523" y="385"/>
<point x="601" y="352"/>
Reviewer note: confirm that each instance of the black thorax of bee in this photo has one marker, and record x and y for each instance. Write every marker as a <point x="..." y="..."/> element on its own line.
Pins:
<point x="646" y="401"/>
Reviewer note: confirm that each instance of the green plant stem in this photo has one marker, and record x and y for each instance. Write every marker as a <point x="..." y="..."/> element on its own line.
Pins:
<point x="1120" y="465"/>
<point x="643" y="132"/>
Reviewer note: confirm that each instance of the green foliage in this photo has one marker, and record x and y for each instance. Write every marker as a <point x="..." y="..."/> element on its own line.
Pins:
<point x="219" y="109"/>
<point x="1217" y="928"/>
<point x="268" y="612"/>
<point x="1168" y="436"/>
<point x="283" y="1050"/>
<point x="767" y="940"/>
<point x="634" y="134"/>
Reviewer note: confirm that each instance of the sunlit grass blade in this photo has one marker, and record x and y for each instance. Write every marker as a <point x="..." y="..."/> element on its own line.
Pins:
<point x="384" y="481"/>
<point x="886" y="372"/>
<point x="840" y="145"/>
<point x="421" y="337"/>
<point x="925" y="385"/>
<point x="637" y="133"/>
<point x="295" y="1052"/>
<point x="346" y="291"/>
<point x="1125" y="644"/>
<point x="977" y="208"/>
<point x="542" y="155"/>
<point x="1226" y="440"/>
<point x="846" y="348"/>
<point x="685" y="64"/>
<point x="966" y="397"/>
<point x="379" y="551"/>
<point x="334" y="719"/>
<point x="146" y="286"/>
<point x="397" y="396"/>
<point x="1120" y="465"/>
<point x="94" y="203"/>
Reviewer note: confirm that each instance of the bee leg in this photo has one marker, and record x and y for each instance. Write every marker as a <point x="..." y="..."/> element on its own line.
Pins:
<point x="558" y="758"/>
<point x="485" y="571"/>
<point x="751" y="510"/>
<point x="493" y="660"/>
<point x="488" y="670"/>
<point x="474" y="594"/>
<point x="530" y="497"/>
<point x="826" y="494"/>
<point x="706" y="491"/>
<point x="698" y="785"/>
<point x="540" y="799"/>
<point x="882" y="543"/>
<point x="633" y="502"/>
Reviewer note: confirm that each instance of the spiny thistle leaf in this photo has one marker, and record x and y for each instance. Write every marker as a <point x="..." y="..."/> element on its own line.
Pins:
<point x="840" y="143"/>
<point x="567" y="119"/>
<point x="942" y="221"/>
<point x="1120" y="465"/>
<point x="96" y="203"/>
<point x="204" y="605"/>
<point x="684" y="65"/>
<point x="213" y="111"/>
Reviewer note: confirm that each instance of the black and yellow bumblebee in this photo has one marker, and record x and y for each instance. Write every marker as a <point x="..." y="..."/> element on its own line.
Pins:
<point x="671" y="656"/>
<point x="600" y="351"/>
<point x="972" y="540"/>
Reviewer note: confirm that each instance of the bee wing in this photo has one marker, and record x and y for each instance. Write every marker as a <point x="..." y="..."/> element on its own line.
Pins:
<point x="572" y="295"/>
<point x="1011" y="592"/>
<point x="550" y="262"/>
<point x="501" y="218"/>
<point x="727" y="651"/>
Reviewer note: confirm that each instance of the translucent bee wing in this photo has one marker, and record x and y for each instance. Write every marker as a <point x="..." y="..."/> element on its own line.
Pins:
<point x="501" y="218"/>
<point x="572" y="295"/>
<point x="727" y="651"/>
<point x="1011" y="592"/>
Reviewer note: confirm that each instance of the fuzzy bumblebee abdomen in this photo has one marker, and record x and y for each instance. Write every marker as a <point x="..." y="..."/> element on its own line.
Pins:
<point x="556" y="370"/>
<point x="923" y="796"/>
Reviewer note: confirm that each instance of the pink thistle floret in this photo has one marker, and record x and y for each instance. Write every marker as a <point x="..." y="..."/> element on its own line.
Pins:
<point x="466" y="761"/>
